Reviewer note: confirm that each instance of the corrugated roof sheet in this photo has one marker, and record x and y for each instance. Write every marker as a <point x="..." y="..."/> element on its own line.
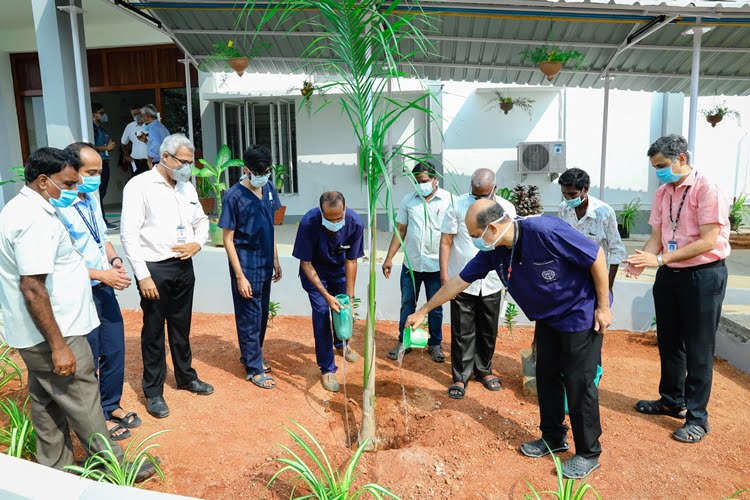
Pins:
<point x="486" y="47"/>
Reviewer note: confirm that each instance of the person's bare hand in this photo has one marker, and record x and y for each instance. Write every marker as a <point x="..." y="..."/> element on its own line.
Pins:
<point x="333" y="303"/>
<point x="64" y="361"/>
<point x="148" y="289"/>
<point x="110" y="145"/>
<point x="416" y="319"/>
<point x="186" y="251"/>
<point x="632" y="272"/>
<point x="116" y="278"/>
<point x="243" y="286"/>
<point x="387" y="266"/>
<point x="128" y="158"/>
<point x="276" y="271"/>
<point x="602" y="319"/>
<point x="642" y="259"/>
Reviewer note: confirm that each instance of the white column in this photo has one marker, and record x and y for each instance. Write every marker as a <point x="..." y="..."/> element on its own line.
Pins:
<point x="188" y="98"/>
<point x="64" y="100"/>
<point x="694" y="78"/>
<point x="10" y="139"/>
<point x="605" y="121"/>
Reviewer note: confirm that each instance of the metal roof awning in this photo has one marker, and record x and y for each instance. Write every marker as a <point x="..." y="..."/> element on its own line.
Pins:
<point x="482" y="40"/>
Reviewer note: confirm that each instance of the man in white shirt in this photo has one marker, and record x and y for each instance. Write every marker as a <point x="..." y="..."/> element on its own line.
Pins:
<point x="134" y="148"/>
<point x="48" y="310"/>
<point x="592" y="217"/>
<point x="418" y="223"/>
<point x="475" y="311"/>
<point x="163" y="227"/>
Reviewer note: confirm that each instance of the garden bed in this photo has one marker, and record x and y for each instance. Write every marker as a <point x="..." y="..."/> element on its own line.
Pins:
<point x="739" y="241"/>
<point x="222" y="446"/>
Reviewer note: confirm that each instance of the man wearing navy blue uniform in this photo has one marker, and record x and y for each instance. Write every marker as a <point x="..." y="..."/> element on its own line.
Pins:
<point x="247" y="220"/>
<point x="328" y="244"/>
<point x="559" y="279"/>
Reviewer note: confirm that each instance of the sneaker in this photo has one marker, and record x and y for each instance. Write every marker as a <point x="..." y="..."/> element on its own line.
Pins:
<point x="112" y="225"/>
<point x="329" y="382"/>
<point x="350" y="355"/>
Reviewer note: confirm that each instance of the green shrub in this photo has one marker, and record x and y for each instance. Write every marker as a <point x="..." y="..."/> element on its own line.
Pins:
<point x="9" y="370"/>
<point x="19" y="437"/>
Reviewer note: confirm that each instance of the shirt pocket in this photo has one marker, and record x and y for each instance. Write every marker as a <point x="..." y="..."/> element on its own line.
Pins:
<point x="546" y="273"/>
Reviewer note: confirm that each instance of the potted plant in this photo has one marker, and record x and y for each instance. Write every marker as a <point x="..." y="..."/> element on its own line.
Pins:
<point x="307" y="90"/>
<point x="527" y="200"/>
<point x="504" y="193"/>
<point x="280" y="173"/>
<point x="205" y="194"/>
<point x="238" y="60"/>
<point x="738" y="212"/>
<point x="550" y="59"/>
<point x="506" y="103"/>
<point x="212" y="175"/>
<point x="628" y="216"/>
<point x="717" y="112"/>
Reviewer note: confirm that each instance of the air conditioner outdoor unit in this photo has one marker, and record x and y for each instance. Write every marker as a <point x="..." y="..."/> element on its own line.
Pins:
<point x="541" y="157"/>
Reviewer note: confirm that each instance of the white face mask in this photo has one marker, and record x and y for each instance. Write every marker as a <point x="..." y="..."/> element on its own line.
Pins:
<point x="483" y="245"/>
<point x="180" y="174"/>
<point x="425" y="188"/>
<point x="259" y="180"/>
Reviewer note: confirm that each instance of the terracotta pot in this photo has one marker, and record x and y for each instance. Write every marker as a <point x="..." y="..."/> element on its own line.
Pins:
<point x="239" y="64"/>
<point x="278" y="216"/>
<point x="714" y="119"/>
<point x="208" y="204"/>
<point x="550" y="69"/>
<point x="306" y="93"/>
<point x="506" y="106"/>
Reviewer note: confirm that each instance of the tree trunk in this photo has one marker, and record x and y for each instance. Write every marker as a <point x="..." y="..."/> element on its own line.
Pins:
<point x="368" y="431"/>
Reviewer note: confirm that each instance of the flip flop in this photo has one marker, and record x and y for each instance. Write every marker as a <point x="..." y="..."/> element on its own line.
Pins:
<point x="128" y="421"/>
<point x="118" y="437"/>
<point x="266" y="367"/>
<point x="456" y="391"/>
<point x="261" y="380"/>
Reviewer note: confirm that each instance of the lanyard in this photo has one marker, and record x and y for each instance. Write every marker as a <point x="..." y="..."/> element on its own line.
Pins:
<point x="92" y="226"/>
<point x="676" y="220"/>
<point x="506" y="281"/>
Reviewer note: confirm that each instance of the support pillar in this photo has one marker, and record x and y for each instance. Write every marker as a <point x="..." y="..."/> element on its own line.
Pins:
<point x="694" y="79"/>
<point x="64" y="97"/>
<point x="605" y="121"/>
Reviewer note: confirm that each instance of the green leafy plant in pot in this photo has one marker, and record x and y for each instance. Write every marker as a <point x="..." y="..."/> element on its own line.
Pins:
<point x="738" y="213"/>
<point x="628" y="216"/>
<point x="527" y="200"/>
<point x="212" y="175"/>
<point x="280" y="173"/>
<point x="550" y="59"/>
<point x="506" y="103"/>
<point x="237" y="59"/>
<point x="717" y="112"/>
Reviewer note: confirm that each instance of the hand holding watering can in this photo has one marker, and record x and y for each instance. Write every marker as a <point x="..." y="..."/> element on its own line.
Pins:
<point x="343" y="319"/>
<point x="414" y="336"/>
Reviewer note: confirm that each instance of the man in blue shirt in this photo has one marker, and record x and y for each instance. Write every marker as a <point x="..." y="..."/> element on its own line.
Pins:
<point x="247" y="219"/>
<point x="103" y="145"/>
<point x="559" y="279"/>
<point x="107" y="273"/>
<point x="328" y="244"/>
<point x="155" y="133"/>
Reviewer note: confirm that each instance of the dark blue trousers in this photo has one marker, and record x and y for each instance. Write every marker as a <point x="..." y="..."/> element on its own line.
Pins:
<point x="107" y="343"/>
<point x="410" y="293"/>
<point x="321" y="319"/>
<point x="251" y="318"/>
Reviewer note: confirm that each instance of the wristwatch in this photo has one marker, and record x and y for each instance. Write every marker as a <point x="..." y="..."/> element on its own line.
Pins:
<point x="659" y="260"/>
<point x="113" y="259"/>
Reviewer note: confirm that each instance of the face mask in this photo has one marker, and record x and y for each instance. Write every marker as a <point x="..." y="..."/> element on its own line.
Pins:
<point x="103" y="118"/>
<point x="259" y="180"/>
<point x="66" y="199"/>
<point x="425" y="188"/>
<point x="482" y="245"/>
<point x="144" y="128"/>
<point x="90" y="184"/>
<point x="180" y="174"/>
<point x="666" y="175"/>
<point x="333" y="226"/>
<point x="575" y="202"/>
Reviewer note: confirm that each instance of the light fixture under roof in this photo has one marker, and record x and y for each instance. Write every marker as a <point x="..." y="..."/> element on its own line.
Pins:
<point x="691" y="30"/>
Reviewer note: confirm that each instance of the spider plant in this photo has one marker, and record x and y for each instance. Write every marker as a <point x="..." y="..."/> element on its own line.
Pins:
<point x="104" y="466"/>
<point x="629" y="216"/>
<point x="566" y="488"/>
<point x="324" y="482"/>
<point x="366" y="45"/>
<point x="9" y="370"/>
<point x="738" y="213"/>
<point x="19" y="437"/>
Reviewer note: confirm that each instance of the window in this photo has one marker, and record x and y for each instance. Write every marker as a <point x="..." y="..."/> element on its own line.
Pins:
<point x="272" y="124"/>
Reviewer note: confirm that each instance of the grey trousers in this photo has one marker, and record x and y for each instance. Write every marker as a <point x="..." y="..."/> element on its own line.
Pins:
<point x="57" y="400"/>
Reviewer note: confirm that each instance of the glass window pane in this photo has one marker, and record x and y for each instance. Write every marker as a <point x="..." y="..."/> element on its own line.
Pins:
<point x="36" y="124"/>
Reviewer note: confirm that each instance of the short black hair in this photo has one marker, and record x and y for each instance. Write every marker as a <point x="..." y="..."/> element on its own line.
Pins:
<point x="671" y="146"/>
<point x="257" y="158"/>
<point x="74" y="149"/>
<point x="575" y="177"/>
<point x="96" y="106"/>
<point x="48" y="161"/>
<point x="331" y="199"/>
<point x="424" y="167"/>
<point x="489" y="215"/>
<point x="135" y="106"/>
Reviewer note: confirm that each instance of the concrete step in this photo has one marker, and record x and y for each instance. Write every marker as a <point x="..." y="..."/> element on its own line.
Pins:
<point x="733" y="336"/>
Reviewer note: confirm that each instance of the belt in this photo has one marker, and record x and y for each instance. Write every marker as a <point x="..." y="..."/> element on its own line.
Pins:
<point x="717" y="263"/>
<point x="100" y="285"/>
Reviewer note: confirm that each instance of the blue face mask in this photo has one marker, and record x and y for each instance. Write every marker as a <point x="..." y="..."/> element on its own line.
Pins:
<point x="90" y="184"/>
<point x="145" y="127"/>
<point x="666" y="175"/>
<point x="482" y="245"/>
<point x="333" y="226"/>
<point x="259" y="180"/>
<point x="66" y="199"/>
<point x="575" y="202"/>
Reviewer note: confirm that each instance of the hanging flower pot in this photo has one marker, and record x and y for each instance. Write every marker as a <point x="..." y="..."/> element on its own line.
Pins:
<point x="714" y="119"/>
<point x="239" y="64"/>
<point x="506" y="106"/>
<point x="551" y="69"/>
<point x="307" y="89"/>
<point x="505" y="102"/>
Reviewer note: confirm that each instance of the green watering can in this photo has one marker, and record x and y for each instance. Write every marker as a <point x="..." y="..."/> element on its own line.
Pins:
<point x="343" y="321"/>
<point x="416" y="337"/>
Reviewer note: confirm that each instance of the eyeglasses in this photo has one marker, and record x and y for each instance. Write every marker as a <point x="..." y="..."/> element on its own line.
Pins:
<point x="185" y="163"/>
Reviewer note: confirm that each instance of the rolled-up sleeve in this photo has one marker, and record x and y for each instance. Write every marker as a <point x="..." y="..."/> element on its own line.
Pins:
<point x="133" y="218"/>
<point x="450" y="221"/>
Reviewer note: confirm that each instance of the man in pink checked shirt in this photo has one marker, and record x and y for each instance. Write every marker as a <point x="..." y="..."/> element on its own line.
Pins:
<point x="689" y="243"/>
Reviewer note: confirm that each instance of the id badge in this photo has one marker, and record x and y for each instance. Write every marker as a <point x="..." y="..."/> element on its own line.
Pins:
<point x="181" y="235"/>
<point x="671" y="246"/>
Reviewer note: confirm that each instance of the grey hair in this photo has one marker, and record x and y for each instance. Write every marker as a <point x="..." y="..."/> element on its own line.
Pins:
<point x="490" y="215"/>
<point x="671" y="146"/>
<point x="175" y="142"/>
<point x="483" y="177"/>
<point x="149" y="110"/>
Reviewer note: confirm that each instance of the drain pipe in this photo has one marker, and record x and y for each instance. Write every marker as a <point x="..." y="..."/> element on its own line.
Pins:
<point x="85" y="115"/>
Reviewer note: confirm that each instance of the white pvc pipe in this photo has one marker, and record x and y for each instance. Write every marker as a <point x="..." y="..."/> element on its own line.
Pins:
<point x="85" y="115"/>
<point x="694" y="79"/>
<point x="189" y="98"/>
<point x="605" y="121"/>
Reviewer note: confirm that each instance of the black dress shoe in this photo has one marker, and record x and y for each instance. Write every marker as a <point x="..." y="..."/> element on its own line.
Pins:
<point x="157" y="407"/>
<point x="198" y="387"/>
